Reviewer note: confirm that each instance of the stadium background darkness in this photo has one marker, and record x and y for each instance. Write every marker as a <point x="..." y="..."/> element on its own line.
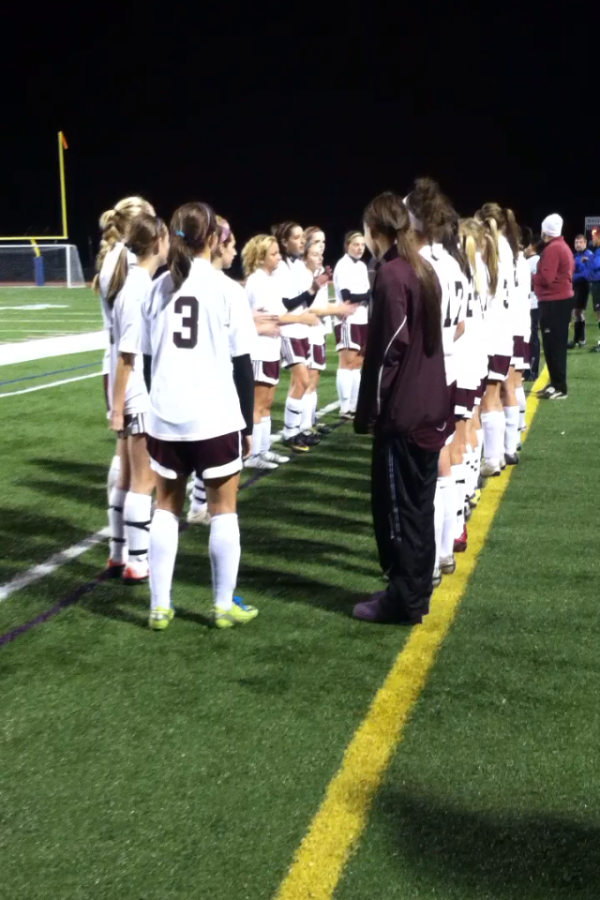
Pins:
<point x="266" y="125"/>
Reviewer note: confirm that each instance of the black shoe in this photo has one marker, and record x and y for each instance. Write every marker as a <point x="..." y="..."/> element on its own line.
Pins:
<point x="511" y="460"/>
<point x="346" y="417"/>
<point x="296" y="444"/>
<point x="596" y="349"/>
<point x="310" y="439"/>
<point x="324" y="429"/>
<point x="572" y="344"/>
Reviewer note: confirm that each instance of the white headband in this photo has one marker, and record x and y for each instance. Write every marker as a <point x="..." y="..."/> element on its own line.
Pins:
<point x="416" y="223"/>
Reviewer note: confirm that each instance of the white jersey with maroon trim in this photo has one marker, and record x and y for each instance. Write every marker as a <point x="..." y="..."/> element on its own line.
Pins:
<point x="474" y="351"/>
<point x="453" y="287"/>
<point x="264" y="294"/>
<point x="504" y="303"/>
<point x="316" y="332"/>
<point x="193" y="395"/>
<point x="125" y="334"/>
<point x="523" y="279"/>
<point x="242" y="330"/>
<point x="484" y="344"/>
<point x="291" y="276"/>
<point x="352" y="275"/>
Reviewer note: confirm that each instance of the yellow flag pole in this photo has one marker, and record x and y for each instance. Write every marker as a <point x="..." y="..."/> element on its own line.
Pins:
<point x="63" y="191"/>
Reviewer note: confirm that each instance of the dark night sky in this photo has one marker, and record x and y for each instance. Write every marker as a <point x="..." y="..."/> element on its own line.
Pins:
<point x="266" y="126"/>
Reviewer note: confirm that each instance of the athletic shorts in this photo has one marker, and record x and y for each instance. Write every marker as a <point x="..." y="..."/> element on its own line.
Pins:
<point x="582" y="290"/>
<point x="295" y="351"/>
<point x="132" y="425"/>
<point x="498" y="367"/>
<point x="518" y="357"/>
<point x="464" y="402"/>
<point x="351" y="337"/>
<point x="317" y="357"/>
<point x="595" y="286"/>
<point x="215" y="458"/>
<point x="266" y="372"/>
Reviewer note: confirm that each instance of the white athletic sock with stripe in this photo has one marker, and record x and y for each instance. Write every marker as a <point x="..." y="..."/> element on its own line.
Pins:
<point x="137" y="514"/>
<point x="458" y="474"/>
<point x="292" y="417"/>
<point x="198" y="496"/>
<point x="266" y="434"/>
<point x="343" y="381"/>
<point x="258" y="431"/>
<point x="448" y="497"/>
<point x="511" y="435"/>
<point x="118" y="545"/>
<point x="225" y="551"/>
<point x="438" y="509"/>
<point x="162" y="551"/>
<point x="356" y="373"/>
<point x="494" y="426"/>
<point x="468" y="462"/>
<point x="522" y="401"/>
<point x="113" y="475"/>
<point x="307" y="413"/>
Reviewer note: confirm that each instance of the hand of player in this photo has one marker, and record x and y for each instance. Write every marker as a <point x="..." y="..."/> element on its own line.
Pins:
<point x="345" y="309"/>
<point x="269" y="327"/>
<point x="320" y="280"/>
<point x="308" y="318"/>
<point x="246" y="446"/>
<point x="117" y="421"/>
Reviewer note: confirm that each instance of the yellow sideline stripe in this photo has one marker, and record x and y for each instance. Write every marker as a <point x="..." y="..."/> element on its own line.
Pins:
<point x="336" y="828"/>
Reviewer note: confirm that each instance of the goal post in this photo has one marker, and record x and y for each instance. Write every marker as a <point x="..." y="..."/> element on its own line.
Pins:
<point x="40" y="265"/>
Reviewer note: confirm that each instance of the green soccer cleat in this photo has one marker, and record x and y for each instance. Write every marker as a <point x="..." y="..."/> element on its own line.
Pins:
<point x="239" y="614"/>
<point x="160" y="618"/>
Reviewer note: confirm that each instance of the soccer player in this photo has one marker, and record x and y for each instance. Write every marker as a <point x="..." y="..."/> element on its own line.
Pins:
<point x="195" y="418"/>
<point x="581" y="286"/>
<point x="532" y="255"/>
<point x="404" y="403"/>
<point x="122" y="301"/>
<point x="593" y="274"/>
<point x="351" y="282"/>
<point x="522" y="348"/>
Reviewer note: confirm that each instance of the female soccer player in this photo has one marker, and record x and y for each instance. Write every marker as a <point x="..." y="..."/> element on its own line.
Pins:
<point x="261" y="261"/>
<point x="195" y="419"/>
<point x="351" y="282"/>
<point x="148" y="242"/>
<point x="404" y="402"/>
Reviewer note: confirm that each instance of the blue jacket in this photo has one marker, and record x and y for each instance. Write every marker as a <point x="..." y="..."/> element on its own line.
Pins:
<point x="593" y="264"/>
<point x="581" y="268"/>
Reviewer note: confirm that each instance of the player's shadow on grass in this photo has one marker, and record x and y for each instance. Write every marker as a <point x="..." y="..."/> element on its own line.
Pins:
<point x="492" y="856"/>
<point x="86" y="482"/>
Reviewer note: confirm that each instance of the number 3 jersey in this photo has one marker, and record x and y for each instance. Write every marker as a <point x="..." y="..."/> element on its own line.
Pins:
<point x="193" y="395"/>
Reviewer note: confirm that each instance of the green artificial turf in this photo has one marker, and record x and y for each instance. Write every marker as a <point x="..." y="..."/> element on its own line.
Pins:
<point x="72" y="311"/>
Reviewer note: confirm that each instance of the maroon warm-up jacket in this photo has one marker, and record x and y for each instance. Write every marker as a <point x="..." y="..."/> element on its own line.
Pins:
<point x="402" y="391"/>
<point x="554" y="277"/>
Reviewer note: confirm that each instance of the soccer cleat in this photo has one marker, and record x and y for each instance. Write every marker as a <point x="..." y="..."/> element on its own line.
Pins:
<point x="475" y="498"/>
<point x="114" y="569"/>
<point x="238" y="614"/>
<point x="296" y="444"/>
<point x="276" y="458"/>
<point x="511" y="460"/>
<point x="460" y="544"/>
<point x="468" y="511"/>
<point x="257" y="462"/>
<point x="346" y="416"/>
<point x="310" y="439"/>
<point x="596" y="349"/>
<point x="447" y="565"/>
<point x="160" y="618"/>
<point x="135" y="574"/>
<point x="436" y="579"/>
<point x="583" y="343"/>
<point x="324" y="429"/>
<point x="200" y="517"/>
<point x="489" y="471"/>
<point x="572" y="344"/>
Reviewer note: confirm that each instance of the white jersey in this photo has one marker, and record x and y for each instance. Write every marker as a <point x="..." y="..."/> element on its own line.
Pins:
<point x="124" y="321"/>
<point x="264" y="293"/>
<point x="532" y="262"/>
<point x="242" y="330"/>
<point x="523" y="279"/>
<point x="193" y="395"/>
<point x="501" y="320"/>
<point x="453" y="310"/>
<point x="476" y="356"/>
<point x="317" y="332"/>
<point x="485" y="299"/>
<point x="352" y="275"/>
<point x="291" y="276"/>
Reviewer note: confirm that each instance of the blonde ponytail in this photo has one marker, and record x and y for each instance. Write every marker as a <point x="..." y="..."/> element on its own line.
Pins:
<point x="114" y="225"/>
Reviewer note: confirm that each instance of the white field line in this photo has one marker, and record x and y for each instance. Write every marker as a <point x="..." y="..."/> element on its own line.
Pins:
<point x="44" y="348"/>
<point x="43" y="387"/>
<point x="36" y="573"/>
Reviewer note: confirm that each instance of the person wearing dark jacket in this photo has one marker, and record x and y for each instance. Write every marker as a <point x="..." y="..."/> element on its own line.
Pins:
<point x="592" y="260"/>
<point x="582" y="288"/>
<point x="553" y="286"/>
<point x="404" y="403"/>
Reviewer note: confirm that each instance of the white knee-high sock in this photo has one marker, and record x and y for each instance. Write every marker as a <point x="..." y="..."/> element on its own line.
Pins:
<point x="448" y="496"/>
<point x="494" y="427"/>
<point x="113" y="475"/>
<point x="468" y="462"/>
<point x="344" y="388"/>
<point x="522" y="401"/>
<point x="438" y="520"/>
<point x="292" y="417"/>
<point x="258" y="438"/>
<point x="266" y="434"/>
<point x="224" y="549"/>
<point x="118" y="544"/>
<point x="356" y="373"/>
<point x="511" y="435"/>
<point x="164" y="538"/>
<point x="314" y="407"/>
<point x="137" y="514"/>
<point x="307" y="413"/>
<point x="198" y="496"/>
<point x="459" y="474"/>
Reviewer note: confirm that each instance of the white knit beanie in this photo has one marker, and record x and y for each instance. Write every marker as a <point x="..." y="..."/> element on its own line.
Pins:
<point x="552" y="225"/>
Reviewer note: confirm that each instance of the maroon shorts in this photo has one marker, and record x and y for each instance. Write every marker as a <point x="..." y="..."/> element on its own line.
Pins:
<point x="266" y="372"/>
<point x="518" y="357"/>
<point x="295" y="351"/>
<point x="351" y="337"/>
<point x="464" y="402"/>
<point x="498" y="368"/>
<point x="216" y="457"/>
<point x="133" y="425"/>
<point x="317" y="357"/>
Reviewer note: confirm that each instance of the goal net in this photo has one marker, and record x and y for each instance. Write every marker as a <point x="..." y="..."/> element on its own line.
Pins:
<point x="50" y="265"/>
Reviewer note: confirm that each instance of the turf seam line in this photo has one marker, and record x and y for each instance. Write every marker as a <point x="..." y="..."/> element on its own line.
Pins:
<point x="44" y="387"/>
<point x="48" y="374"/>
<point x="335" y="830"/>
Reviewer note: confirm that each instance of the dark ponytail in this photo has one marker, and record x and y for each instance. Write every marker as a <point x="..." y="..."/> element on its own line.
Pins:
<point x="192" y="225"/>
<point x="506" y="223"/>
<point x="281" y="233"/>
